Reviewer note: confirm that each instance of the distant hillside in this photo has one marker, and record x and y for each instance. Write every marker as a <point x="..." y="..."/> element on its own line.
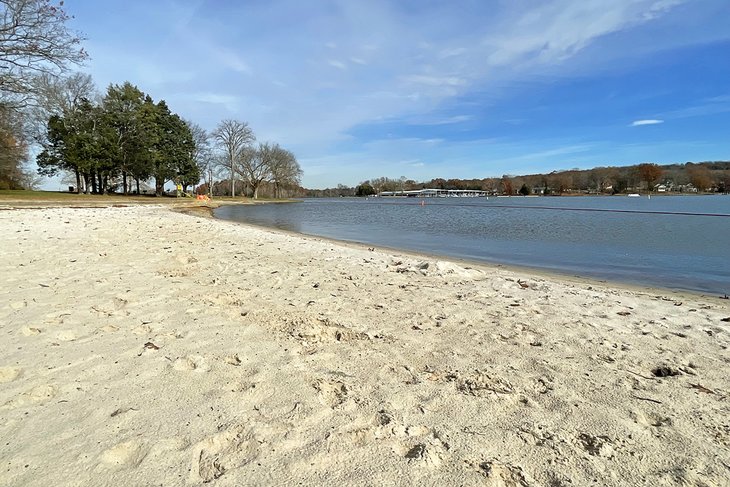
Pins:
<point x="700" y="177"/>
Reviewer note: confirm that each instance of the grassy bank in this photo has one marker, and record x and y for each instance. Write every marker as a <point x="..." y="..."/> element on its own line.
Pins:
<point x="24" y="198"/>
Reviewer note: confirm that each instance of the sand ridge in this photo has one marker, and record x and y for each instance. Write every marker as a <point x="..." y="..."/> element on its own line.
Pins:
<point x="146" y="347"/>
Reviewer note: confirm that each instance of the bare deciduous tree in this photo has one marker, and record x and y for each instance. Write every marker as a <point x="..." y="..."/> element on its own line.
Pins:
<point x="13" y="150"/>
<point x="700" y="177"/>
<point x="233" y="138"/>
<point x="61" y="96"/>
<point x="284" y="169"/>
<point x="254" y="165"/>
<point x="650" y="173"/>
<point x="34" y="40"/>
<point x="202" y="153"/>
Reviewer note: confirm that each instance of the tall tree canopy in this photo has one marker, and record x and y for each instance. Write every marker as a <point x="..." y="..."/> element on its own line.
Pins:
<point x="173" y="150"/>
<point x="128" y="131"/>
<point x="127" y="137"/>
<point x="73" y="146"/>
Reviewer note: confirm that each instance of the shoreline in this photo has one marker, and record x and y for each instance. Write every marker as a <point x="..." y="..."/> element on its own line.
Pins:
<point x="145" y="346"/>
<point x="488" y="265"/>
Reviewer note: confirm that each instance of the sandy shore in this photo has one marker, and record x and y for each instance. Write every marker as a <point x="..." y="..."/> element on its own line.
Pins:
<point x="146" y="347"/>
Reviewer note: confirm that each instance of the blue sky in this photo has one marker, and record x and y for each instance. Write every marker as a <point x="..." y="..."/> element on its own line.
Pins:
<point x="420" y="88"/>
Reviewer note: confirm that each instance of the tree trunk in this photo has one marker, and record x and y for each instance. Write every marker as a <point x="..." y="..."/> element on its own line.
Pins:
<point x="86" y="183"/>
<point x="159" y="185"/>
<point x="93" y="182"/>
<point x="78" y="181"/>
<point x="255" y="191"/>
<point x="137" y="181"/>
<point x="233" y="184"/>
<point x="124" y="182"/>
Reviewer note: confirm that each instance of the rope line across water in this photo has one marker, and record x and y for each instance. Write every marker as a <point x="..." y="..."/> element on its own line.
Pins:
<point x="604" y="210"/>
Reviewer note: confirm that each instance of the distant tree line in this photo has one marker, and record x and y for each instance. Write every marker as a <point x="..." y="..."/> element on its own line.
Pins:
<point x="702" y="177"/>
<point x="118" y="141"/>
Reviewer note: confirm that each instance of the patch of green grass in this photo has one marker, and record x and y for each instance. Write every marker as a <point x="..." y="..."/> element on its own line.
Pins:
<point x="59" y="198"/>
<point x="65" y="196"/>
<point x="27" y="198"/>
<point x="20" y="194"/>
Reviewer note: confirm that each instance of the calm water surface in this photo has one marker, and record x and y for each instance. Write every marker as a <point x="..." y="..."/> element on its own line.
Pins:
<point x="680" y="242"/>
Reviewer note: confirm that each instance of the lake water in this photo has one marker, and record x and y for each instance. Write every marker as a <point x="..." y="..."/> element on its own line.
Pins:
<point x="678" y="242"/>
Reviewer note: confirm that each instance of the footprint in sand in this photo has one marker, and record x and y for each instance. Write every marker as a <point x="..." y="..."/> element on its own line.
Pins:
<point x="650" y="420"/>
<point x="36" y="396"/>
<point x="600" y="446"/>
<point x="143" y="329"/>
<point x="418" y="444"/>
<point x="185" y="259"/>
<point x="331" y="393"/>
<point x="30" y="331"/>
<point x="483" y="384"/>
<point x="127" y="454"/>
<point x="430" y="451"/>
<point x="217" y="454"/>
<point x="503" y="474"/>
<point x="119" y="303"/>
<point x="322" y="331"/>
<point x="9" y="374"/>
<point x="190" y="363"/>
<point x="167" y="445"/>
<point x="66" y="336"/>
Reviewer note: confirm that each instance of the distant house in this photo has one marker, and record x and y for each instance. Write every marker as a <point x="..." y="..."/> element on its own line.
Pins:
<point x="660" y="188"/>
<point x="687" y="188"/>
<point x="144" y="188"/>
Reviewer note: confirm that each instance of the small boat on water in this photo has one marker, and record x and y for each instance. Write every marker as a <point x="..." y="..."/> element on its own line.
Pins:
<point x="633" y="195"/>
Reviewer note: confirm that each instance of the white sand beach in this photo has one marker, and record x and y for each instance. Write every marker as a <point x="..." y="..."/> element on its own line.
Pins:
<point x="141" y="346"/>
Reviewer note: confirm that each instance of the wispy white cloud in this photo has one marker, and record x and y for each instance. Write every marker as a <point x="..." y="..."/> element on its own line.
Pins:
<point x="637" y="123"/>
<point x="557" y="151"/>
<point x="707" y="106"/>
<point x="216" y="98"/>
<point x="557" y="30"/>
<point x="434" y="80"/>
<point x="443" y="121"/>
<point x="230" y="59"/>
<point x="337" y="64"/>
<point x="451" y="52"/>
